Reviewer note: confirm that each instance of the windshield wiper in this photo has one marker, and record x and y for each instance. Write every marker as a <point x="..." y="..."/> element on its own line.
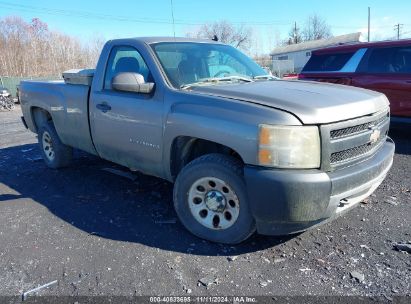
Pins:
<point x="216" y="80"/>
<point x="268" y="77"/>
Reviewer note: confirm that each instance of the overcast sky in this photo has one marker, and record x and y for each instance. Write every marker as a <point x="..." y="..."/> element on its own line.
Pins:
<point x="271" y="20"/>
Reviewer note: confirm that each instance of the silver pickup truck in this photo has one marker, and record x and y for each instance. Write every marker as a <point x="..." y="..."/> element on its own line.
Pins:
<point x="244" y="150"/>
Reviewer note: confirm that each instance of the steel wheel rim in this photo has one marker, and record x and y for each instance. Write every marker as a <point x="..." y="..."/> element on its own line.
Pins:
<point x="48" y="146"/>
<point x="213" y="203"/>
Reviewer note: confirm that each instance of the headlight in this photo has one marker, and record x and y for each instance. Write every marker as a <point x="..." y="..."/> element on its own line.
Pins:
<point x="289" y="146"/>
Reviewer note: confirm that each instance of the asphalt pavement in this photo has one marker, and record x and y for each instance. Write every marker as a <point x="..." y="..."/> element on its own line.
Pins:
<point x="96" y="229"/>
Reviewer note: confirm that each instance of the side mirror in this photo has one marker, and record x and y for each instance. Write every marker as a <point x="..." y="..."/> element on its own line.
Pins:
<point x="131" y="82"/>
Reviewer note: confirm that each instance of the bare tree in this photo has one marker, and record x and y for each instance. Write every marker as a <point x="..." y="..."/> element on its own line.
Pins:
<point x="226" y="32"/>
<point x="316" y="28"/>
<point x="294" y="36"/>
<point x="31" y="49"/>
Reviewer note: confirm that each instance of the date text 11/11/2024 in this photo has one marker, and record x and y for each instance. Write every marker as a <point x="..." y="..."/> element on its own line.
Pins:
<point x="202" y="299"/>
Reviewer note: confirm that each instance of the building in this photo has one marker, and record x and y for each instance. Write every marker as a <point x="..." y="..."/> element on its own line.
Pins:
<point x="292" y="58"/>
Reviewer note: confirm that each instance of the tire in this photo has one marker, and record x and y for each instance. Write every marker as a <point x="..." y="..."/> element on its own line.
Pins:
<point x="54" y="152"/>
<point x="211" y="187"/>
<point x="10" y="103"/>
<point x="10" y="106"/>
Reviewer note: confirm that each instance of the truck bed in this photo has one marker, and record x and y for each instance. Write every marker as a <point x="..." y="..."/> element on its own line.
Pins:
<point x="68" y="106"/>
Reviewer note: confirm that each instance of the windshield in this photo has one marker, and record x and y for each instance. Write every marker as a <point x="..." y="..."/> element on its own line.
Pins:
<point x="188" y="63"/>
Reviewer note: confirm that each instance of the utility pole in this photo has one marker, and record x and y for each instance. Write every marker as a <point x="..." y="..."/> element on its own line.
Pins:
<point x="369" y="23"/>
<point x="398" y="27"/>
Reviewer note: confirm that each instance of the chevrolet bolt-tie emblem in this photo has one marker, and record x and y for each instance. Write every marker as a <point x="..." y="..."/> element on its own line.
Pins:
<point x="375" y="136"/>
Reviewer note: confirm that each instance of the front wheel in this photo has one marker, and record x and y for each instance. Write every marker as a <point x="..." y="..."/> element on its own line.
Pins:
<point x="211" y="201"/>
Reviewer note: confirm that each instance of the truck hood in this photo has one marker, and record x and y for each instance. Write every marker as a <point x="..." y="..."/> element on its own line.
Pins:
<point x="311" y="102"/>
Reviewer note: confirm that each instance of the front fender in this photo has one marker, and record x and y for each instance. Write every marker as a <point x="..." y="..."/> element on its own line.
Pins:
<point x="230" y="123"/>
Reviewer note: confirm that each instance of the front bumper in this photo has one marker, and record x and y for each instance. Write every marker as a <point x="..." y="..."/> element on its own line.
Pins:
<point x="290" y="201"/>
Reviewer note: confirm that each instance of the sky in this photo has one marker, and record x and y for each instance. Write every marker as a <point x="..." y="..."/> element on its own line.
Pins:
<point x="270" y="20"/>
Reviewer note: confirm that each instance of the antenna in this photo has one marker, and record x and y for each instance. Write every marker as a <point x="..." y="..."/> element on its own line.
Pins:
<point x="175" y="42"/>
<point x="369" y="24"/>
<point x="172" y="17"/>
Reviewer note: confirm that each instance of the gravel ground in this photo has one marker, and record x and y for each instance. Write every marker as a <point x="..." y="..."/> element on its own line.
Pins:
<point x="98" y="233"/>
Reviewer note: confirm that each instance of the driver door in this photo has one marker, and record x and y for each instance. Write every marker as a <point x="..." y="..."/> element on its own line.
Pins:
<point x="127" y="127"/>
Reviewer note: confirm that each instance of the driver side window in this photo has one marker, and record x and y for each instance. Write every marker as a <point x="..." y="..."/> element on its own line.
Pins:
<point x="125" y="59"/>
<point x="222" y="64"/>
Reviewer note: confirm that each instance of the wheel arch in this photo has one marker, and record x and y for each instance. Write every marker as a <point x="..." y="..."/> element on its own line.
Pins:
<point x="184" y="149"/>
<point x="39" y="116"/>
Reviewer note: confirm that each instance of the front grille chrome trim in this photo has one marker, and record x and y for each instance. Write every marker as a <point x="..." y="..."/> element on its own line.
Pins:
<point x="348" y="142"/>
<point x="341" y="133"/>
<point x="354" y="153"/>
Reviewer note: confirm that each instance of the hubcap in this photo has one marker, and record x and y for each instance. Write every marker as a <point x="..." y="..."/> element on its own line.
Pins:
<point x="48" y="146"/>
<point x="213" y="203"/>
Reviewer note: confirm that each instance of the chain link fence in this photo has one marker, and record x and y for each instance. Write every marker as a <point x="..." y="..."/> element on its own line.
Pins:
<point x="277" y="67"/>
<point x="11" y="83"/>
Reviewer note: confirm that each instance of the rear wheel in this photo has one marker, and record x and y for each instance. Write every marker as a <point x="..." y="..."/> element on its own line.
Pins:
<point x="54" y="152"/>
<point x="211" y="201"/>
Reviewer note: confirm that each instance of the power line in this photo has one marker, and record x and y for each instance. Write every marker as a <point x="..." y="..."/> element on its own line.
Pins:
<point x="85" y="14"/>
<point x="82" y="14"/>
<point x="100" y="16"/>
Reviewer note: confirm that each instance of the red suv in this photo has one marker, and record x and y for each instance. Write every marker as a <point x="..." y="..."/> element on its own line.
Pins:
<point x="380" y="66"/>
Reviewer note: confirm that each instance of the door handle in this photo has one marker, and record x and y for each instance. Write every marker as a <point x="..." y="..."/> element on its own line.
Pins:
<point x="103" y="107"/>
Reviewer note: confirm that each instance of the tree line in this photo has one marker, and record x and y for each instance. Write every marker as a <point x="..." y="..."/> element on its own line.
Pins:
<point x="315" y="28"/>
<point x="241" y="36"/>
<point x="31" y="49"/>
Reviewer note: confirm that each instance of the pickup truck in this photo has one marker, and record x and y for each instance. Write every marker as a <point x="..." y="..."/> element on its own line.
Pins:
<point x="246" y="151"/>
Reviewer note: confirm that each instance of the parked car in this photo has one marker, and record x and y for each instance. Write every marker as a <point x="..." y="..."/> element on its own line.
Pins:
<point x="290" y="76"/>
<point x="4" y="92"/>
<point x="244" y="150"/>
<point x="380" y="66"/>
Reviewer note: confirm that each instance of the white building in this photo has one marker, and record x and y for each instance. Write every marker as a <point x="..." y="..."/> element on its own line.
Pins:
<point x="292" y="58"/>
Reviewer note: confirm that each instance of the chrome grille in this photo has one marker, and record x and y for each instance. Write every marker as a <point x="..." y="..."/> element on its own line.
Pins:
<point x="347" y="142"/>
<point x="334" y="134"/>
<point x="353" y="152"/>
